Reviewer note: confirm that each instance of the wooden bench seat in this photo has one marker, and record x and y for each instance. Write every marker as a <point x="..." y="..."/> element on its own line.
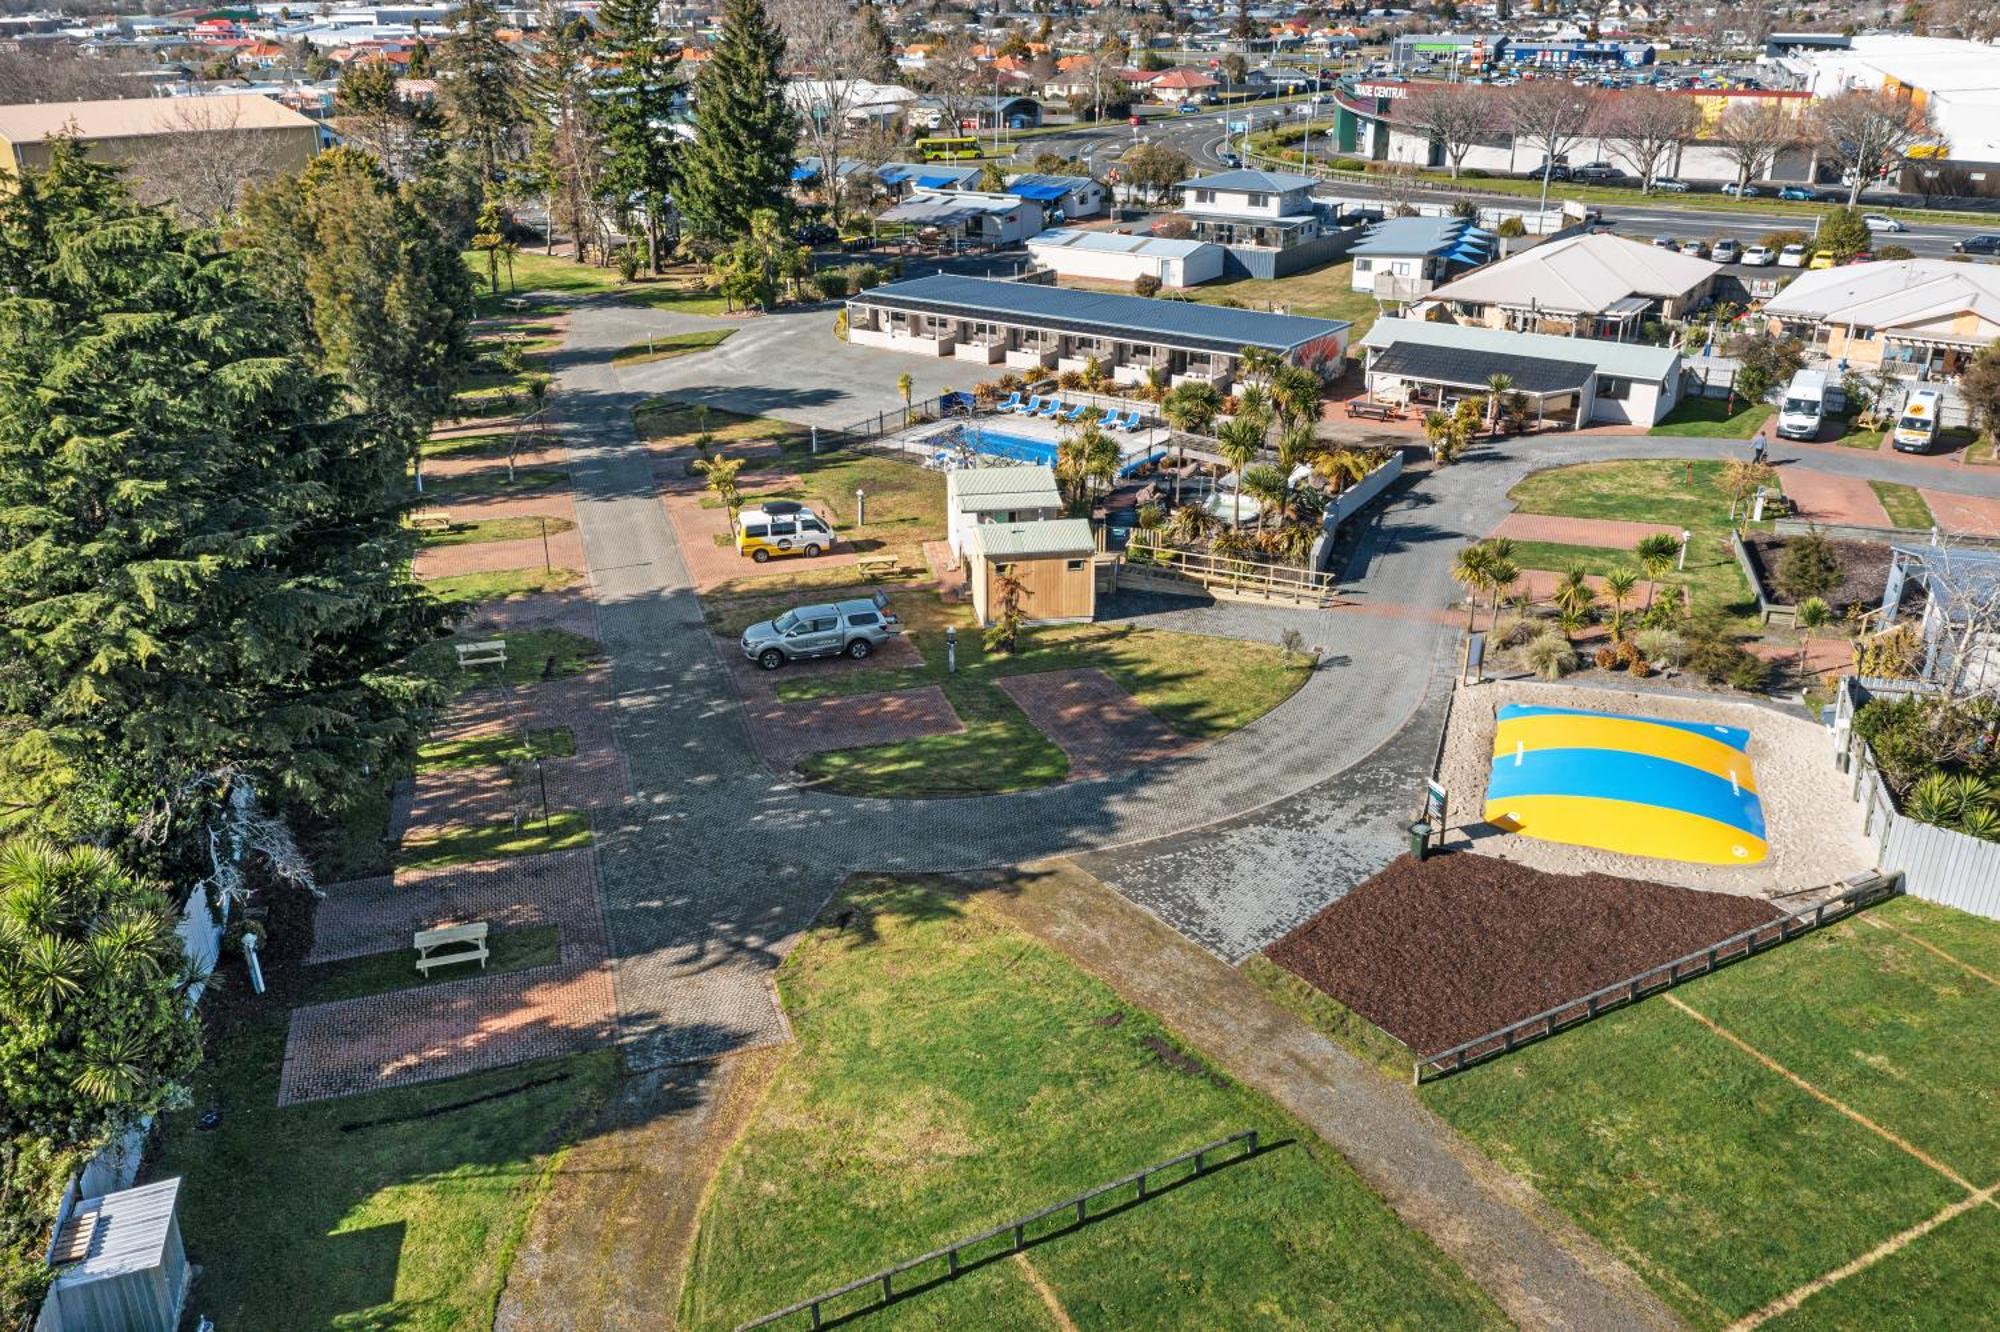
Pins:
<point x="431" y="520"/>
<point x="490" y="652"/>
<point x="874" y="566"/>
<point x="1374" y="411"/>
<point x="467" y="943"/>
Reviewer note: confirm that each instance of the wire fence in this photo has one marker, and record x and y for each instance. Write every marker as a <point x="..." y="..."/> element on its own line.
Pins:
<point x="955" y="1259"/>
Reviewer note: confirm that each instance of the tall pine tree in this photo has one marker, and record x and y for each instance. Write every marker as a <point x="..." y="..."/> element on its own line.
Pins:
<point x="746" y="139"/>
<point x="480" y="82"/>
<point x="636" y="89"/>
<point x="202" y="563"/>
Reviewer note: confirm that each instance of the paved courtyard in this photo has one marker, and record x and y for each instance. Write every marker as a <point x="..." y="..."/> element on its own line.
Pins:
<point x="1096" y="723"/>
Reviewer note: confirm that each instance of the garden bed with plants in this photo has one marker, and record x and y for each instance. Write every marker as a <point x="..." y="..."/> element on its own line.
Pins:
<point x="1940" y="758"/>
<point x="1846" y="575"/>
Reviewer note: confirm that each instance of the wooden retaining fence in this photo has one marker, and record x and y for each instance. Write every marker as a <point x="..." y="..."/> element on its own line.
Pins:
<point x="952" y="1262"/>
<point x="1861" y="890"/>
<point x="1166" y="569"/>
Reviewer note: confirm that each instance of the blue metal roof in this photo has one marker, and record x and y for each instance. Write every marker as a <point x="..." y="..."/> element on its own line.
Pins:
<point x="1184" y="324"/>
<point x="1413" y="236"/>
<point x="1249" y="182"/>
<point x="1045" y="189"/>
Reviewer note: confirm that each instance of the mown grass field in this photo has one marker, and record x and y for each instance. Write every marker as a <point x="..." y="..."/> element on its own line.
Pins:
<point x="325" y="1216"/>
<point x="1728" y="1186"/>
<point x="568" y="281"/>
<point x="1714" y="418"/>
<point x="1197" y="690"/>
<point x="950" y="1073"/>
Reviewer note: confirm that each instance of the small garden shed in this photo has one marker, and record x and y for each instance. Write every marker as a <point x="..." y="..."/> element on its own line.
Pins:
<point x="120" y="1265"/>
<point x="1054" y="562"/>
<point x="1013" y="494"/>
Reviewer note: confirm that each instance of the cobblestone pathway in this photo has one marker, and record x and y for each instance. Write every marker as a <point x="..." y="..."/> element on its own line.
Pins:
<point x="1102" y="729"/>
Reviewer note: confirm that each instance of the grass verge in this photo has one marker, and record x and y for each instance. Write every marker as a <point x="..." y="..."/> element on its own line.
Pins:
<point x="381" y="973"/>
<point x="490" y="750"/>
<point x="1712" y="418"/>
<point x="542" y="279"/>
<point x="1716" y="581"/>
<point x="1017" y="1081"/>
<point x="498" y="529"/>
<point x="492" y="481"/>
<point x="300" y="1219"/>
<point x="464" y="591"/>
<point x="1904" y="504"/>
<point x="1331" y="1018"/>
<point x="667" y="346"/>
<point x="563" y="830"/>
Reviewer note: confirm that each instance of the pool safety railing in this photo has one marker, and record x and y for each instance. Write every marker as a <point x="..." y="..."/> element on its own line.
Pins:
<point x="974" y="1251"/>
<point x="1857" y="891"/>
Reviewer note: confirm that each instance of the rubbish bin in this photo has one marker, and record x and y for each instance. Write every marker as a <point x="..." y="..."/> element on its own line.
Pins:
<point x="1420" y="839"/>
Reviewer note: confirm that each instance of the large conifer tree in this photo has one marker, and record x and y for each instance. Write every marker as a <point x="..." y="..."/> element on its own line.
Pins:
<point x="480" y="83"/>
<point x="202" y="567"/>
<point x="746" y="139"/>
<point x="637" y="97"/>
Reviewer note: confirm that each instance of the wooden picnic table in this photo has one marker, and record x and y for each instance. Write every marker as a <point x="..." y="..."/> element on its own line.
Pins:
<point x="1374" y="411"/>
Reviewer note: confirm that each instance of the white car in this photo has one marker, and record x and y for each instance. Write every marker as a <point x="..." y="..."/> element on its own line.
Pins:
<point x="1792" y="256"/>
<point x="1759" y="256"/>
<point x="1877" y="222"/>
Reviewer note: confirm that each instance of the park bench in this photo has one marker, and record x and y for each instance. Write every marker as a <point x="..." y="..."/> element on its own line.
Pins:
<point x="489" y="652"/>
<point x="466" y="942"/>
<point x="431" y="520"/>
<point x="878" y="566"/>
<point x="1374" y="411"/>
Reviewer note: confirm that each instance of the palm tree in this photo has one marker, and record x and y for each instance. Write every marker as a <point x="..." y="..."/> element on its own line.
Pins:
<point x="1657" y="554"/>
<point x="1239" y="441"/>
<point x="1190" y="409"/>
<point x="1619" y="585"/>
<point x="1267" y="485"/>
<point x="1258" y="364"/>
<point x="1341" y="467"/>
<point x="721" y="473"/>
<point x="1741" y="479"/>
<point x="1471" y="567"/>
<point x="1498" y="385"/>
<point x="1296" y="392"/>
<point x="906" y="385"/>
<point x="1500" y="579"/>
<point x="1574" y="597"/>
<point x="1813" y="613"/>
<point x="1298" y="444"/>
<point x="1253" y="404"/>
<point x="1190" y="525"/>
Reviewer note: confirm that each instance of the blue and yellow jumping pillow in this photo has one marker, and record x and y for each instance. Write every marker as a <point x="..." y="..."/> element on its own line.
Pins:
<point x="1636" y="785"/>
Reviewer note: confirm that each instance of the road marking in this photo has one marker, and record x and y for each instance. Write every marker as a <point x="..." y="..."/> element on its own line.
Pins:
<point x="1055" y="1308"/>
<point x="1784" y="1304"/>
<point x="1819" y="1095"/>
<point x="1929" y="948"/>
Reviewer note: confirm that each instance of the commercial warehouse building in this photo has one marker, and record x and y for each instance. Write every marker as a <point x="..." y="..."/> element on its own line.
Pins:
<point x="269" y="138"/>
<point x="1570" y="381"/>
<point x="1027" y="326"/>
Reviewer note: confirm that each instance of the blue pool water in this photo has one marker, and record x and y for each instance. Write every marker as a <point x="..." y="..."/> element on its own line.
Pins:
<point x="1012" y="446"/>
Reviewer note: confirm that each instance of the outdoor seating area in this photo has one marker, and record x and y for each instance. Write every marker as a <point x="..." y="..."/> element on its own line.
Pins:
<point x="1054" y="408"/>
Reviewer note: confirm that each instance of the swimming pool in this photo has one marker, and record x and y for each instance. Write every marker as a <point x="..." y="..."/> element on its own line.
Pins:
<point x="1021" y="448"/>
<point x="1641" y="786"/>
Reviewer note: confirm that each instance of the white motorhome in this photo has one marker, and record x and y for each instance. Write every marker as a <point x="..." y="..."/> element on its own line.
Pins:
<point x="1804" y="407"/>
<point x="1917" y="427"/>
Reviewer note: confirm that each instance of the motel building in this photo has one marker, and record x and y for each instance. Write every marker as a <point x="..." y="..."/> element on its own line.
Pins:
<point x="1031" y="327"/>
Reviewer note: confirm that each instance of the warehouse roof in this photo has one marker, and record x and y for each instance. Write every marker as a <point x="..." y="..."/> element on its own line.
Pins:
<point x="1628" y="360"/>
<point x="1140" y="318"/>
<point x="137" y="117"/>
<point x="1027" y="541"/>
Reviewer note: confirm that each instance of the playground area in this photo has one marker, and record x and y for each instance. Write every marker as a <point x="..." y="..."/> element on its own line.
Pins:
<point x="1684" y="790"/>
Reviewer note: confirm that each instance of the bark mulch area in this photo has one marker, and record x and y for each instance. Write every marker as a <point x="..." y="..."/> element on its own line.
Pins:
<point x="1864" y="571"/>
<point x="1441" y="952"/>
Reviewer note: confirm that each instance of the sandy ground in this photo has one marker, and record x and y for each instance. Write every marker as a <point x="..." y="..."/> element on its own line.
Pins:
<point x="1814" y="828"/>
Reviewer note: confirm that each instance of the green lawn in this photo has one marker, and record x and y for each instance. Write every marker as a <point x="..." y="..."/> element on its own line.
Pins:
<point x="487" y="750"/>
<point x="467" y="590"/>
<point x="492" y="481"/>
<point x="667" y="346"/>
<point x="1725" y="1185"/>
<point x="498" y="529"/>
<point x="1942" y="1281"/>
<point x="1199" y="688"/>
<point x="533" y="654"/>
<point x="1904" y="504"/>
<point x="673" y="423"/>
<point x="488" y="444"/>
<point x="380" y="973"/>
<point x="1984" y="450"/>
<point x="1855" y="436"/>
<point x="949" y="1073"/>
<point x="303" y="1218"/>
<point x="1712" y="575"/>
<point x="567" y="281"/>
<point x="563" y="830"/>
<point x="1711" y="418"/>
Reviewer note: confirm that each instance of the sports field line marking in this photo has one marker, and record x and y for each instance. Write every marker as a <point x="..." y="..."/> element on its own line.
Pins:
<point x="1819" y="1095"/>
<point x="1784" y="1304"/>
<point x="1928" y="947"/>
<point x="1055" y="1307"/>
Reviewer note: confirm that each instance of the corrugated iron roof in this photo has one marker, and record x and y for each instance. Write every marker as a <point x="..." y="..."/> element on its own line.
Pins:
<point x="1026" y="541"/>
<point x="130" y="1233"/>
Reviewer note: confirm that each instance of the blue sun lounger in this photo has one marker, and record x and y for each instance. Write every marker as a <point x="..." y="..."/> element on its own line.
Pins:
<point x="1013" y="403"/>
<point x="1073" y="414"/>
<point x="1050" y="408"/>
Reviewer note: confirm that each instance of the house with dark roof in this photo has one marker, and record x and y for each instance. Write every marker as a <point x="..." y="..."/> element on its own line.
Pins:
<point x="1027" y="326"/>
<point x="1402" y="258"/>
<point x="1570" y="381"/>
<point x="1267" y="222"/>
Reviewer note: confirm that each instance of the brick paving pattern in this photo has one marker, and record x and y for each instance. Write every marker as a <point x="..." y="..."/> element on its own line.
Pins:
<point x="952" y="583"/>
<point x="1963" y="515"/>
<point x="460" y="1026"/>
<point x="1824" y="497"/>
<point x="1604" y="532"/>
<point x="784" y="733"/>
<point x="1539" y="585"/>
<point x="1102" y="728"/>
<point x="570" y="610"/>
<point x="712" y="564"/>
<point x="563" y="550"/>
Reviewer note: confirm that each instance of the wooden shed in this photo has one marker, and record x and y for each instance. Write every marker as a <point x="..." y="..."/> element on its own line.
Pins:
<point x="120" y="1265"/>
<point x="1053" y="560"/>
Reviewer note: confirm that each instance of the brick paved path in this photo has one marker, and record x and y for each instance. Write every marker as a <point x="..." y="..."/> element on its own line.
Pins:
<point x="713" y="563"/>
<point x="459" y="1026"/>
<point x="1825" y="498"/>
<point x="1964" y="515"/>
<point x="1102" y="729"/>
<point x="784" y="733"/>
<point x="563" y="550"/>
<point x="1579" y="531"/>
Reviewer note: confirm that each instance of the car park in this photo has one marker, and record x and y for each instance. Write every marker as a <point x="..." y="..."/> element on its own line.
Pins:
<point x="1759" y="256"/>
<point x="832" y="629"/>
<point x="1670" y="185"/>
<point x="1982" y="244"/>
<point x="1917" y="427"/>
<point x="1797" y="194"/>
<point x="1821" y="259"/>
<point x="1663" y="242"/>
<point x="1600" y="173"/>
<point x="1727" y="252"/>
<point x="1879" y="222"/>
<point x="1792" y="256"/>
<point x="1699" y="249"/>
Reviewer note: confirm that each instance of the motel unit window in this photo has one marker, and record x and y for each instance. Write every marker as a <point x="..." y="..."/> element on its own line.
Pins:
<point x="1075" y="566"/>
<point x="1613" y="389"/>
<point x="1364" y="265"/>
<point x="1259" y="200"/>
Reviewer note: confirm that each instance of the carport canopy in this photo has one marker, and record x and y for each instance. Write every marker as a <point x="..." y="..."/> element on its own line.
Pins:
<point x="1462" y="367"/>
<point x="932" y="213"/>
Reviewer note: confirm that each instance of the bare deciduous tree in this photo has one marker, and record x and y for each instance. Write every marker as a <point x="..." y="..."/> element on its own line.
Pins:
<point x="1867" y="133"/>
<point x="1646" y="129"/>
<point x="1551" y="116"/>
<point x="1752" y="134"/>
<point x="1454" y="115"/>
<point x="200" y="165"/>
<point x="825" y="44"/>
<point x="954" y="76"/>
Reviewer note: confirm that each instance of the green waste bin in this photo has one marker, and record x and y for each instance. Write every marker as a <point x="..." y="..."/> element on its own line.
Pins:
<point x="1420" y="839"/>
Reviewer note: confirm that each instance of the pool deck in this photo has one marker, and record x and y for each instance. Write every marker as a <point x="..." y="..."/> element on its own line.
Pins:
<point x="1043" y="430"/>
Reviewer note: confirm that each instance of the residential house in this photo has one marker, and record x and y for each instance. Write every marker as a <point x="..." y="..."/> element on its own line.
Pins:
<point x="1593" y="286"/>
<point x="1403" y="258"/>
<point x="1920" y="317"/>
<point x="1570" y="381"/>
<point x="1063" y="198"/>
<point x="1182" y="84"/>
<point x="1266" y="221"/>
